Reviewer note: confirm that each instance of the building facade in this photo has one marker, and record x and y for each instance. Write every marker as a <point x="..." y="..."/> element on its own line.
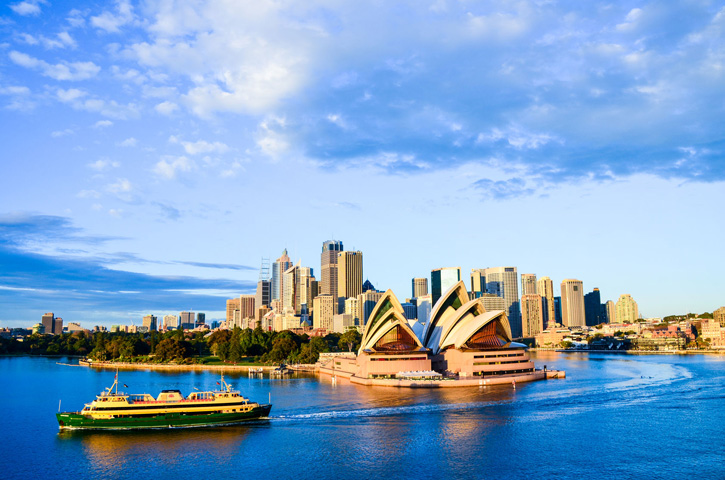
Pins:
<point x="532" y="314"/>
<point x="528" y="284"/>
<point x="572" y="303"/>
<point x="323" y="311"/>
<point x="278" y="268"/>
<point x="504" y="282"/>
<point x="329" y="268"/>
<point x="627" y="309"/>
<point x="442" y="279"/>
<point x="349" y="274"/>
<point x="593" y="308"/>
<point x="545" y="288"/>
<point x="149" y="322"/>
<point x="420" y="287"/>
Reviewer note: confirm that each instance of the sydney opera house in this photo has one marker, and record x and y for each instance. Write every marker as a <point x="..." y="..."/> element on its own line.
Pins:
<point x="461" y="341"/>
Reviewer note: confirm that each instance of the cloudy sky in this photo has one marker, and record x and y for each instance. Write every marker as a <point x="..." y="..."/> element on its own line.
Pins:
<point x="153" y="152"/>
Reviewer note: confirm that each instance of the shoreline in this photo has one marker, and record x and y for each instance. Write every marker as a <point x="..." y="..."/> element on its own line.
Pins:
<point x="632" y="352"/>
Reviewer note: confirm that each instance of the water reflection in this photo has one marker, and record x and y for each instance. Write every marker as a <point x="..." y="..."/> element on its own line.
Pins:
<point x="111" y="450"/>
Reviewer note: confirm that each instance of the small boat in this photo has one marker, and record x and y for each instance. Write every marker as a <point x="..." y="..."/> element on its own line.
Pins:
<point x="117" y="410"/>
<point x="282" y="370"/>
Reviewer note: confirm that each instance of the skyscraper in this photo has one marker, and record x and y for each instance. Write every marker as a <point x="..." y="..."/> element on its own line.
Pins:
<point x="478" y="282"/>
<point x="442" y="279"/>
<point x="719" y="316"/>
<point x="349" y="274"/>
<point x="423" y="308"/>
<point x="278" y="268"/>
<point x="247" y="308"/>
<point x="593" y="308"/>
<point x="528" y="284"/>
<point x="572" y="303"/>
<point x="557" y="310"/>
<point x="305" y="289"/>
<point x="366" y="302"/>
<point x="149" y="322"/>
<point x="532" y="307"/>
<point x="545" y="288"/>
<point x="504" y="282"/>
<point x="328" y="265"/>
<point x="263" y="296"/>
<point x="420" y="287"/>
<point x="187" y="320"/>
<point x="611" y="310"/>
<point x="289" y="294"/>
<point x="627" y="309"/>
<point x="200" y="319"/>
<point x="48" y="321"/>
<point x="323" y="314"/>
<point x="233" y="305"/>
<point x="172" y="321"/>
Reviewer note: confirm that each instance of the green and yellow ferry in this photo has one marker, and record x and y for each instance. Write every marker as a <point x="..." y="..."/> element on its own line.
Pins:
<point x="117" y="410"/>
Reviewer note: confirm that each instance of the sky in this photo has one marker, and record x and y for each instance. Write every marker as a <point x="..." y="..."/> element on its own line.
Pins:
<point x="154" y="152"/>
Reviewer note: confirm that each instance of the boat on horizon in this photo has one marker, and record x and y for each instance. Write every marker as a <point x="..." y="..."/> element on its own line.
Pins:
<point x="114" y="410"/>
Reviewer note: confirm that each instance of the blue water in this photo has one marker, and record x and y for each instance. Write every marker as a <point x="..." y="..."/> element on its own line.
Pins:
<point x="614" y="416"/>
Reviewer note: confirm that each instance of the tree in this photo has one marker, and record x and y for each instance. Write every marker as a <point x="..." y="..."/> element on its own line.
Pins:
<point x="350" y="340"/>
<point x="235" y="346"/>
<point x="282" y="348"/>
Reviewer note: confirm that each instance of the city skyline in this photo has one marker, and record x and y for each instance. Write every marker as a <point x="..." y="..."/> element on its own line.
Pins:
<point x="153" y="156"/>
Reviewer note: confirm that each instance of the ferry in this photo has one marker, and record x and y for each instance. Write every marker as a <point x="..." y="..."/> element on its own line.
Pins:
<point x="117" y="410"/>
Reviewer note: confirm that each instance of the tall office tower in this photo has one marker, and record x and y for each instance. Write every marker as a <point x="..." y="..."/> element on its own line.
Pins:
<point x="572" y="303"/>
<point x="304" y="291"/>
<point x="504" y="282"/>
<point x="149" y="321"/>
<point x="610" y="312"/>
<point x="328" y="263"/>
<point x="557" y="310"/>
<point x="57" y="326"/>
<point x="247" y="307"/>
<point x="493" y="302"/>
<point x="478" y="282"/>
<point x="532" y="308"/>
<point x="420" y="287"/>
<point x="719" y="316"/>
<point x="442" y="279"/>
<point x="263" y="296"/>
<point x="349" y="274"/>
<point x="74" y="327"/>
<point x="289" y="294"/>
<point x="352" y="307"/>
<point x="200" y="319"/>
<point x="233" y="304"/>
<point x="324" y="310"/>
<point x="423" y="307"/>
<point x="627" y="309"/>
<point x="48" y="321"/>
<point x="172" y="321"/>
<point x="528" y="284"/>
<point x="593" y="308"/>
<point x="366" y="302"/>
<point x="545" y="288"/>
<point x="187" y="320"/>
<point x="409" y="310"/>
<point x="281" y="265"/>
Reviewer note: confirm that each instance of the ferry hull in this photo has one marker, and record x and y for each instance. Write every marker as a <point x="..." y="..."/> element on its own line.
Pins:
<point x="69" y="420"/>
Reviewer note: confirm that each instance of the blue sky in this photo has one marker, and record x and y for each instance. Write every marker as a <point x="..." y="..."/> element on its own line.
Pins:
<point x="154" y="151"/>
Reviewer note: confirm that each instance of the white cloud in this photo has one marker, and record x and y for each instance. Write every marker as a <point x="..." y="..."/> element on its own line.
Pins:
<point x="103" y="164"/>
<point x="201" y="146"/>
<point x="129" y="142"/>
<point x="112" y="22"/>
<point x="516" y="137"/>
<point x="62" y="133"/>
<point x="61" y="40"/>
<point x="59" y="71"/>
<point x="28" y="7"/>
<point x="76" y="18"/>
<point x="122" y="185"/>
<point x="69" y="95"/>
<point x="14" y="90"/>
<point x="168" y="166"/>
<point x="631" y="20"/>
<point x="166" y="108"/>
<point x="103" y="124"/>
<point x="88" y="194"/>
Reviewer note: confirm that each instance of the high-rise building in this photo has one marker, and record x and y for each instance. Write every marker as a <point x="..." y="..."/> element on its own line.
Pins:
<point x="281" y="265"/>
<point x="149" y="322"/>
<point x="442" y="279"/>
<point x="48" y="321"/>
<point x="172" y="321"/>
<point x="200" y="319"/>
<point x="719" y="316"/>
<point x="611" y="312"/>
<point x="572" y="303"/>
<point x="545" y="288"/>
<point x="305" y="289"/>
<point x="349" y="274"/>
<point x="420" y="287"/>
<point x="186" y="320"/>
<point x="232" y="306"/>
<point x="424" y="305"/>
<point x="366" y="302"/>
<point x="557" y="310"/>
<point x="324" y="311"/>
<point x="328" y="264"/>
<point x="532" y="308"/>
<point x="352" y="307"/>
<point x="627" y="309"/>
<point x="74" y="327"/>
<point x="593" y="308"/>
<point x="504" y="282"/>
<point x="263" y="295"/>
<point x="57" y="326"/>
<point x="478" y="282"/>
<point x="492" y="302"/>
<point x="409" y="310"/>
<point x="247" y="307"/>
<point x="528" y="284"/>
<point x="289" y="295"/>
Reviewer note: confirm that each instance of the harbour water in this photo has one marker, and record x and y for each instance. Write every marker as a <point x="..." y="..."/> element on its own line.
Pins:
<point x="614" y="416"/>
